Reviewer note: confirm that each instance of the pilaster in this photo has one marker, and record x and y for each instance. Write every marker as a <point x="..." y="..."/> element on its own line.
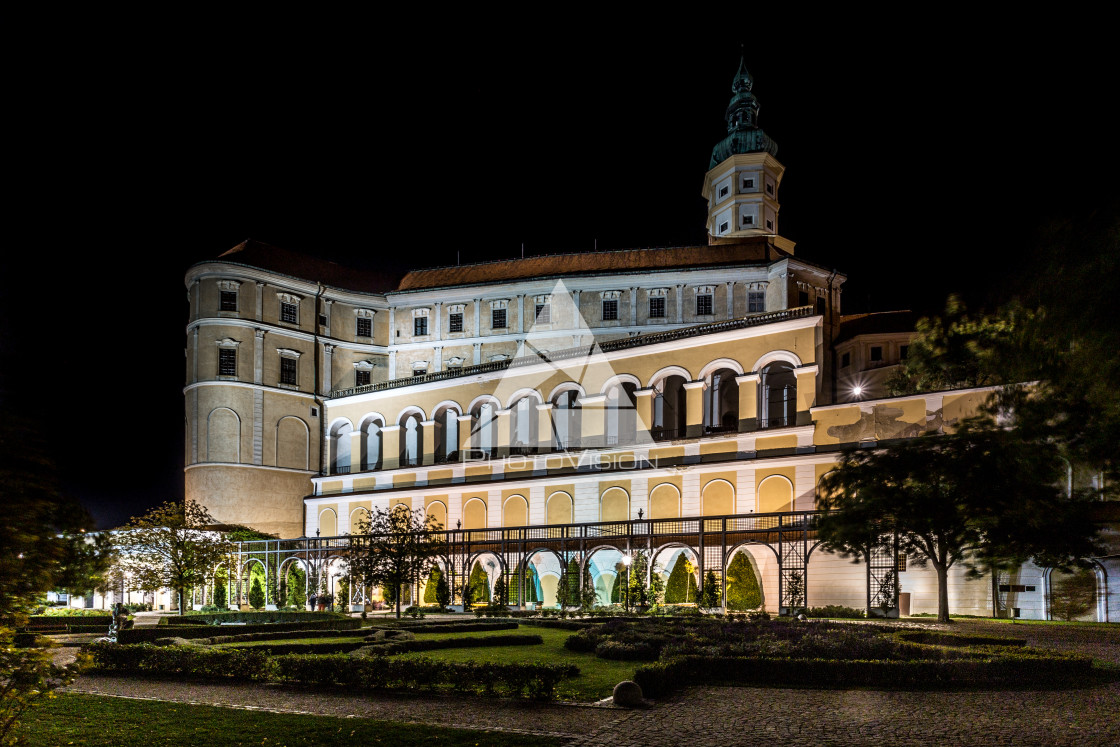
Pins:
<point x="694" y="409"/>
<point x="592" y="421"/>
<point x="748" y="401"/>
<point x="391" y="447"/>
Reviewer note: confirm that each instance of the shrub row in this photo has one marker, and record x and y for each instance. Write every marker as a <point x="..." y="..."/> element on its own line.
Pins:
<point x="457" y="627"/>
<point x="935" y="638"/>
<point x="836" y="611"/>
<point x="535" y="680"/>
<point x="274" y="636"/>
<point x="561" y="624"/>
<point x="663" y="677"/>
<point x="185" y="662"/>
<point x="147" y="635"/>
<point x="432" y="644"/>
<point x="277" y="616"/>
<point x="282" y="649"/>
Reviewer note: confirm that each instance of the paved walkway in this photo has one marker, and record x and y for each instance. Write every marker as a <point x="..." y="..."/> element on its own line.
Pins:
<point x="733" y="715"/>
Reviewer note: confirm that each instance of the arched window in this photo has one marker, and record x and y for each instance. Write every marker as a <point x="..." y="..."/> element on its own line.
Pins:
<point x="721" y="402"/>
<point x="483" y="427"/>
<point x="411" y="441"/>
<point x="566" y="420"/>
<point x="669" y="409"/>
<point x="523" y="427"/>
<point x="371" y="444"/>
<point x="340" y="448"/>
<point x="621" y="414"/>
<point x="446" y="426"/>
<point x="777" y="396"/>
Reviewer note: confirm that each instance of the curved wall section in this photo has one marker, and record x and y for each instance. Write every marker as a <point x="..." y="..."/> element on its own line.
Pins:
<point x="268" y="500"/>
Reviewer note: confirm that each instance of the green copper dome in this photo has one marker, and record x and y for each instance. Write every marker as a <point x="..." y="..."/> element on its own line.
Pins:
<point x="743" y="132"/>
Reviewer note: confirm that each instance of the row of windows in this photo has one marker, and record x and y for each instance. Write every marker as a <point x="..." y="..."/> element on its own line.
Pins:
<point x="227" y="367"/>
<point x="747" y="186"/>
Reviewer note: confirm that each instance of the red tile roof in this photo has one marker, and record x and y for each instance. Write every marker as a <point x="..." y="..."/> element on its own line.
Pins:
<point x="304" y="267"/>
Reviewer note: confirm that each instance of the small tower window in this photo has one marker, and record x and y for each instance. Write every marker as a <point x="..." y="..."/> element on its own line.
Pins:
<point x="748" y="184"/>
<point x="365" y="327"/>
<point x="229" y="301"/>
<point x="704" y="305"/>
<point x="876" y="353"/>
<point x="498" y="319"/>
<point x="845" y="360"/>
<point x="420" y="326"/>
<point x="723" y="227"/>
<point x="748" y="220"/>
<point x="723" y="191"/>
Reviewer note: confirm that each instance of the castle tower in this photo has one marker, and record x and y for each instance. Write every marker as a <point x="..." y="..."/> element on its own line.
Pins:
<point x="742" y="183"/>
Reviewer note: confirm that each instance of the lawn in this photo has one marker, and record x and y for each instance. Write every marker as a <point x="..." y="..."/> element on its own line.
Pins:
<point x="93" y="720"/>
<point x="597" y="676"/>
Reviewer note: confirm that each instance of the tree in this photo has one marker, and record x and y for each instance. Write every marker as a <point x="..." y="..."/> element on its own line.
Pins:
<point x="500" y="593"/>
<point x="295" y="587"/>
<point x="392" y="547"/>
<point x="588" y="596"/>
<point x="743" y="592"/>
<point x="443" y="591"/>
<point x="172" y="546"/>
<point x="220" y="593"/>
<point x="639" y="568"/>
<point x="711" y="594"/>
<point x="656" y="587"/>
<point x="531" y="585"/>
<point x="979" y="496"/>
<point x="567" y="588"/>
<point x="256" y="595"/>
<point x="1073" y="595"/>
<point x="434" y="576"/>
<point x="681" y="587"/>
<point x="478" y="585"/>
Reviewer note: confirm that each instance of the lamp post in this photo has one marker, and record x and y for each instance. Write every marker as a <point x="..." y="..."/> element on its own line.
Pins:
<point x="626" y="561"/>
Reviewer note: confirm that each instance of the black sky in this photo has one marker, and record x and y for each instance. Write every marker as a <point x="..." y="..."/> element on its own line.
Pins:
<point x="920" y="162"/>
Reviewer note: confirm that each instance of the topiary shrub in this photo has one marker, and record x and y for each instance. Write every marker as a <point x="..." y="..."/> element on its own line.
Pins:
<point x="681" y="587"/>
<point x="256" y="595"/>
<point x="743" y="591"/>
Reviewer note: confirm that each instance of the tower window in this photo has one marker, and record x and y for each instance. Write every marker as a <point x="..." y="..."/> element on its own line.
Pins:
<point x="228" y="301"/>
<point x="322" y="320"/>
<point x="227" y="362"/>
<point x="657" y="307"/>
<point x="361" y="378"/>
<point x="769" y="225"/>
<point x="365" y="327"/>
<point x="419" y="326"/>
<point x="289" y="312"/>
<point x="497" y="319"/>
<point x="748" y="184"/>
<point x="769" y="189"/>
<point x="704" y="305"/>
<point x="723" y="191"/>
<point x="876" y="353"/>
<point x="756" y="301"/>
<point x="544" y="313"/>
<point x="845" y="360"/>
<point x="820" y="305"/>
<point x="454" y="322"/>
<point x="288" y="371"/>
<point x="748" y="220"/>
<point x="610" y="309"/>
<point x="723" y="227"/>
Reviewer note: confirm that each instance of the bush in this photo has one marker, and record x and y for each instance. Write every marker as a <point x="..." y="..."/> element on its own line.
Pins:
<point x="561" y="624"/>
<point x="189" y="662"/>
<point x="836" y="611"/>
<point x="457" y="627"/>
<point x="274" y="616"/>
<point x="627" y="651"/>
<point x="142" y="635"/>
<point x="405" y="646"/>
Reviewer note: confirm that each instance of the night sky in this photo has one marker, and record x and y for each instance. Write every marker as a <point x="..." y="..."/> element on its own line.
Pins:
<point x="918" y="163"/>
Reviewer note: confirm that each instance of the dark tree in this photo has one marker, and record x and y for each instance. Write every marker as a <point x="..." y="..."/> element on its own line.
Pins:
<point x="710" y="595"/>
<point x="392" y="547"/>
<point x="256" y="595"/>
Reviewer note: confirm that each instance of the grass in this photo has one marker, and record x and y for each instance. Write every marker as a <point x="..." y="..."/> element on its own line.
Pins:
<point x="94" y="720"/>
<point x="597" y="676"/>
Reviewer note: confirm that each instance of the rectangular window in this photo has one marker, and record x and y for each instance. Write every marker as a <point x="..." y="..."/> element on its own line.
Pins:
<point x="361" y="378"/>
<point x="454" y="322"/>
<point x="704" y="305"/>
<point x="610" y="309"/>
<point x="748" y="184"/>
<point x="657" y="307"/>
<point x="288" y="371"/>
<point x="723" y="227"/>
<point x="748" y="220"/>
<point x="418" y="372"/>
<point x="544" y="313"/>
<point x="723" y="191"/>
<point x="365" y="327"/>
<point x="845" y="360"/>
<point x="419" y="326"/>
<point x="227" y="362"/>
<point x="229" y="301"/>
<point x="497" y="318"/>
<point x="756" y="301"/>
<point x="876" y="353"/>
<point x="820" y="305"/>
<point x="901" y="563"/>
<point x="802" y="298"/>
<point x="322" y="320"/>
<point x="903" y="352"/>
<point x="289" y="312"/>
<point x="770" y="189"/>
<point x="769" y="225"/>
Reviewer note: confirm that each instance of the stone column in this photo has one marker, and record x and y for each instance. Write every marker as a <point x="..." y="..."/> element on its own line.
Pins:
<point x="392" y="325"/>
<point x="806" y="392"/>
<point x="392" y="365"/>
<point x="680" y="303"/>
<point x="390" y="447"/>
<point x="258" y="356"/>
<point x="327" y="313"/>
<point x="643" y="403"/>
<point x="633" y="306"/>
<point x="428" y="454"/>
<point x="437" y="329"/>
<point x="730" y="300"/>
<point x="521" y="312"/>
<point x="694" y="409"/>
<point x="260" y="302"/>
<point x="544" y="428"/>
<point x="355" y="452"/>
<point x="748" y="401"/>
<point x="477" y="319"/>
<point x="593" y="417"/>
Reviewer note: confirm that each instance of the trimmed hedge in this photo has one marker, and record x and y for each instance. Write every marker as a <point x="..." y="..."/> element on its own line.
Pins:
<point x="276" y="616"/>
<point x="282" y="649"/>
<point x="404" y="647"/>
<point x="189" y="662"/>
<point x="455" y="627"/>
<point x="561" y="624"/>
<point x="535" y="680"/>
<point x="935" y="638"/>
<point x="247" y="637"/>
<point x="148" y="635"/>
<point x="663" y="677"/>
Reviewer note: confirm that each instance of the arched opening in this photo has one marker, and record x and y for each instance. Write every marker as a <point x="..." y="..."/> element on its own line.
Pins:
<point x="679" y="573"/>
<point x="371" y="443"/>
<point x="328" y="523"/>
<point x="777" y="396"/>
<point x="483" y="427"/>
<point x="669" y="409"/>
<point x="566" y="420"/>
<point x="438" y="510"/>
<point x="412" y="440"/>
<point x="621" y="414"/>
<point x="446" y="426"/>
<point x="340" y="448"/>
<point x="743" y="589"/>
<point x="474" y="514"/>
<point x="1075" y="595"/>
<point x="223" y="436"/>
<point x="721" y="402"/>
<point x="292" y="443"/>
<point x="523" y="426"/>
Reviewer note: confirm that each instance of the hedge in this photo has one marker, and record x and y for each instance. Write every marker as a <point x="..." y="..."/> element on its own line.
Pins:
<point x="455" y="627"/>
<point x="191" y="662"/>
<point x="663" y="677"/>
<point x="934" y="638"/>
<point x="561" y="624"/>
<point x="276" y="616"/>
<point x="148" y="635"/>
<point x="281" y="649"/>
<point x="246" y="637"/>
<point x="535" y="680"/>
<point x="429" y="644"/>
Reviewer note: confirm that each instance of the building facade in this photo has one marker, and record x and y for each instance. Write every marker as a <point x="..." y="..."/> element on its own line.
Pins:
<point x="583" y="406"/>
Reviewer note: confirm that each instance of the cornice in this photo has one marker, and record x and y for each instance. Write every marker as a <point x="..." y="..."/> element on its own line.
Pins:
<point x="246" y="385"/>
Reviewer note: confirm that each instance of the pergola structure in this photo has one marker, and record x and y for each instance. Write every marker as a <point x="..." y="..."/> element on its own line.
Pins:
<point x="791" y="536"/>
